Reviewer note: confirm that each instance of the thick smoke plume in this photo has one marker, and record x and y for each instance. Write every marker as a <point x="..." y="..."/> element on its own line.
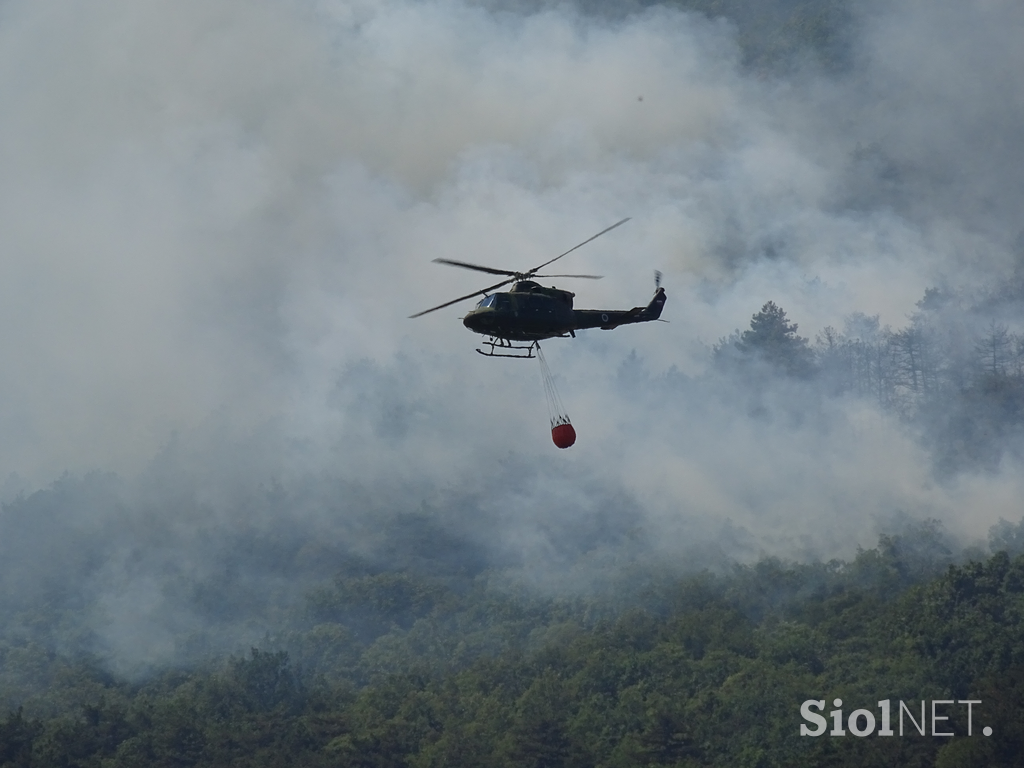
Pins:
<point x="216" y="217"/>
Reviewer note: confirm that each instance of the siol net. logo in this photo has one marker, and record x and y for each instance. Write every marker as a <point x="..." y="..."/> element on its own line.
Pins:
<point x="862" y="722"/>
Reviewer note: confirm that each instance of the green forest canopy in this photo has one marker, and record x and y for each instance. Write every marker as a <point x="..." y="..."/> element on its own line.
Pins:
<point x="390" y="669"/>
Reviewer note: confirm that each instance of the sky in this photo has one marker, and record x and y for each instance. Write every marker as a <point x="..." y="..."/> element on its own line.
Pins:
<point x="216" y="217"/>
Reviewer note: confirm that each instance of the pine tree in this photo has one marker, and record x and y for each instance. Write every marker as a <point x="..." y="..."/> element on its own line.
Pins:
<point x="773" y="338"/>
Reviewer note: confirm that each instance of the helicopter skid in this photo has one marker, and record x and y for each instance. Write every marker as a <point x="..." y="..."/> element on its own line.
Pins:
<point x="507" y="349"/>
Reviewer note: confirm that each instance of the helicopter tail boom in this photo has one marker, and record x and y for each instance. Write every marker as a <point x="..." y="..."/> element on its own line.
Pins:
<point x="608" y="319"/>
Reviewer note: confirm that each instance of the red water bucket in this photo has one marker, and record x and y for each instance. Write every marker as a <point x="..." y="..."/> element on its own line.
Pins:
<point x="563" y="435"/>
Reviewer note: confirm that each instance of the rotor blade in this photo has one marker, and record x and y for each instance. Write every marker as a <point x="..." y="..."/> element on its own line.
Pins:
<point x="589" y="277"/>
<point x="462" y="298"/>
<point x="603" y="231"/>
<point x="477" y="267"/>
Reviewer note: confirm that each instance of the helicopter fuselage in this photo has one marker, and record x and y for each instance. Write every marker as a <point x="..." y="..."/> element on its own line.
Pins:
<point x="531" y="312"/>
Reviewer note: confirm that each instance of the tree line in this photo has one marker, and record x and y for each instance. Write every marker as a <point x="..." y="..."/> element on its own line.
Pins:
<point x="700" y="670"/>
<point x="955" y="372"/>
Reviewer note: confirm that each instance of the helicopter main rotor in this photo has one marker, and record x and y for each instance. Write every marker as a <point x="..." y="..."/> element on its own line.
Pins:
<point x="513" y="277"/>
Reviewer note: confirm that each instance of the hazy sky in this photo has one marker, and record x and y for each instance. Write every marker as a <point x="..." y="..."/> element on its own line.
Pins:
<point x="216" y="216"/>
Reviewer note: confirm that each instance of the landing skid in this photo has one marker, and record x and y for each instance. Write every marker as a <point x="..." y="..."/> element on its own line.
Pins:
<point x="508" y="349"/>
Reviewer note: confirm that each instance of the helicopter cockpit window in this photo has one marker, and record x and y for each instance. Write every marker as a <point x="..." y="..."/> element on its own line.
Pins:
<point x="486" y="302"/>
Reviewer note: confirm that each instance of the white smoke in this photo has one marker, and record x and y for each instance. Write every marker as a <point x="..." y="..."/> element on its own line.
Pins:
<point x="216" y="216"/>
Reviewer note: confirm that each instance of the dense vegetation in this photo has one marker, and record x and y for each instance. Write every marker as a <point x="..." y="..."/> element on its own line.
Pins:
<point x="402" y="642"/>
<point x="955" y="373"/>
<point x="424" y="650"/>
<point x="395" y="669"/>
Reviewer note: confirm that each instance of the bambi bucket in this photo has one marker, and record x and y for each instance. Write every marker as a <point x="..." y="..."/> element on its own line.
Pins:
<point x="563" y="435"/>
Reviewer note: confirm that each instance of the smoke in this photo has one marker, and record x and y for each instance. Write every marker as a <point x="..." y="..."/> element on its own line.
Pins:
<point x="215" y="218"/>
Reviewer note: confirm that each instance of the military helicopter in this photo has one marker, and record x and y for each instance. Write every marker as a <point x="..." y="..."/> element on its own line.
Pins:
<point x="529" y="312"/>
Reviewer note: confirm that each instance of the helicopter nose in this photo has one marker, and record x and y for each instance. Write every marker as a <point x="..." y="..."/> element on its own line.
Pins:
<point x="476" y="322"/>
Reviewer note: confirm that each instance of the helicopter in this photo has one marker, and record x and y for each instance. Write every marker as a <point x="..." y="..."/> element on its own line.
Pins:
<point x="529" y="312"/>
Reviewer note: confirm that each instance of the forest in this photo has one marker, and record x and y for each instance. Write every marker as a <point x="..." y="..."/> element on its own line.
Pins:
<point x="402" y="669"/>
<point x="430" y="653"/>
<point x="954" y="374"/>
<point x="293" y="529"/>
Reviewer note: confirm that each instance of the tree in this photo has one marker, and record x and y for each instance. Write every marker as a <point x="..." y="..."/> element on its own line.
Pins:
<point x="995" y="350"/>
<point x="16" y="737"/>
<point x="773" y="338"/>
<point x="266" y="681"/>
